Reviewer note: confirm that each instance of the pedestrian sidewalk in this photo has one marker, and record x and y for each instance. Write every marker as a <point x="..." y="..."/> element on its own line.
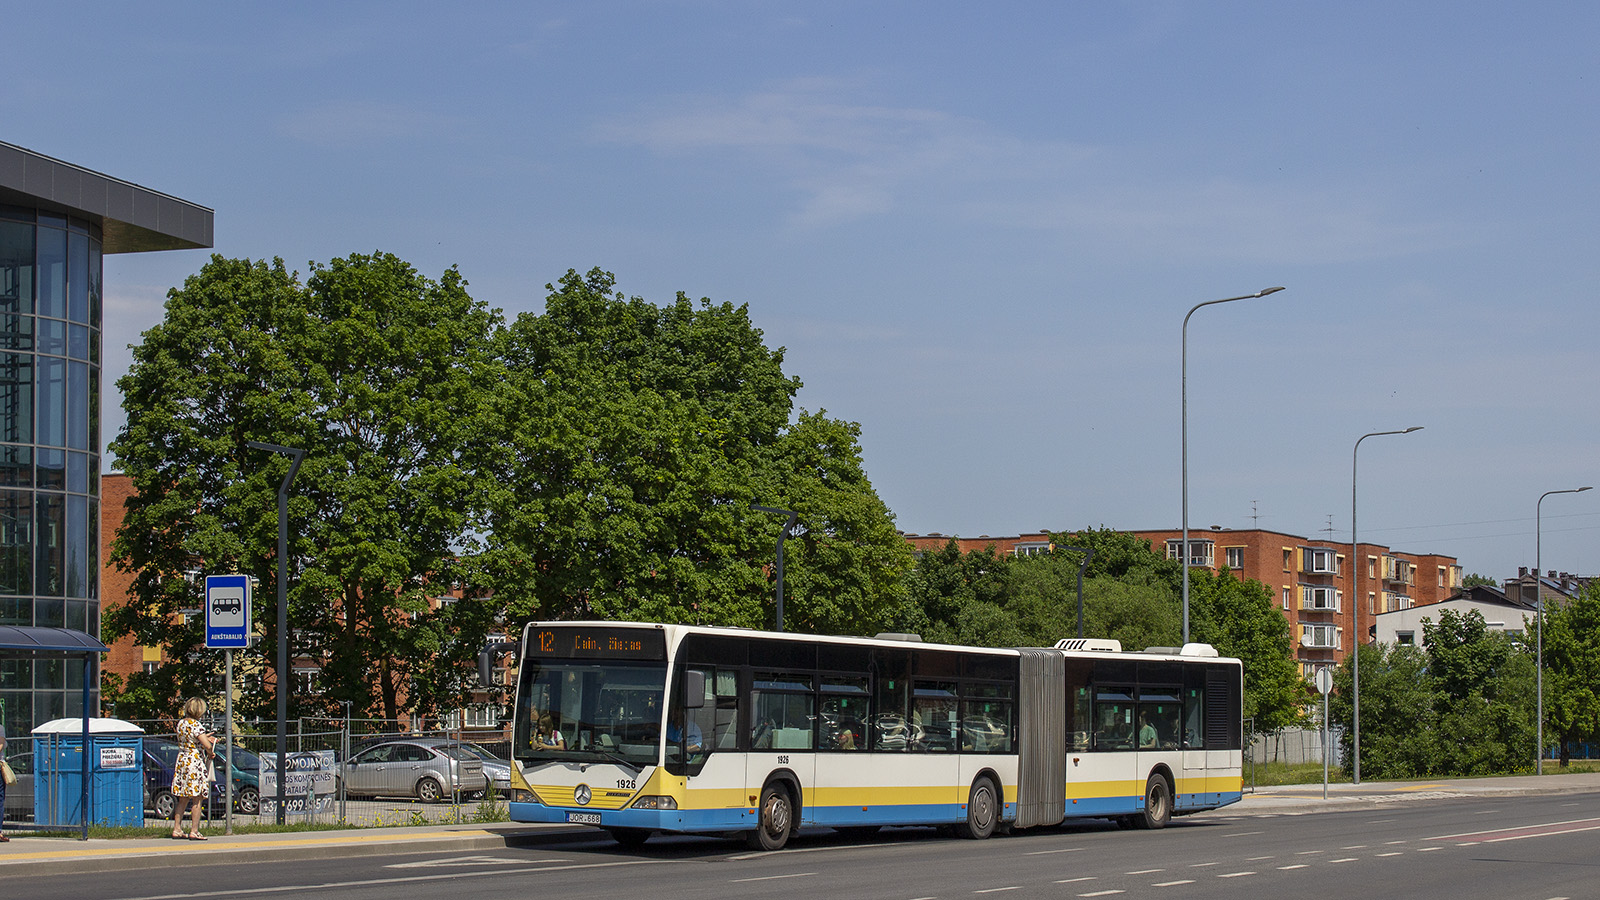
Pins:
<point x="1308" y="798"/>
<point x="31" y="854"/>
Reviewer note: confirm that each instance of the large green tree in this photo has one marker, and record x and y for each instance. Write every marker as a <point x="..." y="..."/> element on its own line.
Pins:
<point x="378" y="373"/>
<point x="1572" y="669"/>
<point x="633" y="441"/>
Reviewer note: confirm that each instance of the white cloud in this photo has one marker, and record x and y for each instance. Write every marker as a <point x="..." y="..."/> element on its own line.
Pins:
<point x="851" y="162"/>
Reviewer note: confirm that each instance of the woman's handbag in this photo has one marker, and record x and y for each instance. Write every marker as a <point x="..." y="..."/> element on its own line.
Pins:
<point x="9" y="776"/>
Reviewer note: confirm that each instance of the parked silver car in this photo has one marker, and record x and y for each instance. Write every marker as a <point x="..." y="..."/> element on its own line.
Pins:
<point x="496" y="771"/>
<point x="411" y="768"/>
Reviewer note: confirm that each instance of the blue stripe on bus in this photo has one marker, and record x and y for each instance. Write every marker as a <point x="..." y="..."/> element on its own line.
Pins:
<point x="738" y="818"/>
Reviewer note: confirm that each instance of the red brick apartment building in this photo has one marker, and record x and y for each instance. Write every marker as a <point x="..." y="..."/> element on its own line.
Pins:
<point x="1312" y="580"/>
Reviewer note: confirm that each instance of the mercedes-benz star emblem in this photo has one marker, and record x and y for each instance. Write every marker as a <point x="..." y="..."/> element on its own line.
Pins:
<point x="581" y="795"/>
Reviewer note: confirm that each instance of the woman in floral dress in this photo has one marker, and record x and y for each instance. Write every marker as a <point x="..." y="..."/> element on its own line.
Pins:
<point x="189" y="782"/>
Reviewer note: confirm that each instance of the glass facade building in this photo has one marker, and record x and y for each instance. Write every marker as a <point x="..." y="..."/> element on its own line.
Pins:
<point x="57" y="221"/>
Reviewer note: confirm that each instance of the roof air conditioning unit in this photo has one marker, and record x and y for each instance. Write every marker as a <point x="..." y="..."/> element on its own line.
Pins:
<point x="1101" y="644"/>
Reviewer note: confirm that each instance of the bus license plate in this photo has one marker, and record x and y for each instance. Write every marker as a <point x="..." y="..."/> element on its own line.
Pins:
<point x="578" y="818"/>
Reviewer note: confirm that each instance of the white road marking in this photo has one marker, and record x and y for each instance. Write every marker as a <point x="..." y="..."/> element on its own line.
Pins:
<point x="1259" y="858"/>
<point x="772" y="877"/>
<point x="1392" y="853"/>
<point x="1569" y="826"/>
<point x="1200" y="865"/>
<point x="1144" y="872"/>
<point x="1235" y="874"/>
<point x="1014" y="887"/>
<point x="1101" y="893"/>
<point x="449" y="862"/>
<point x="1043" y="852"/>
<point x="1243" y="833"/>
<point x="1295" y="866"/>
<point x="1173" y="883"/>
<point x="1076" y="880"/>
<point x="1346" y="859"/>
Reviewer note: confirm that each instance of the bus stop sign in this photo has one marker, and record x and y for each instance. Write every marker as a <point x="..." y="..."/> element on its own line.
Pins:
<point x="228" y="612"/>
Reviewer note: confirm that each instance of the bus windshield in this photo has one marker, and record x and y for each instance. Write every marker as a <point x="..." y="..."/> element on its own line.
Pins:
<point x="582" y="709"/>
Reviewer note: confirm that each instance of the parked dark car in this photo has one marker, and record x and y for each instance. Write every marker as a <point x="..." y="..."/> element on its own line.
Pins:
<point x="19" y="796"/>
<point x="161" y="757"/>
<point x="412" y="769"/>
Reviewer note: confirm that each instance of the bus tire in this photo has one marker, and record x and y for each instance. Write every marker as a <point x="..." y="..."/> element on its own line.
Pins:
<point x="1157" y="803"/>
<point x="983" y="810"/>
<point x="630" y="838"/>
<point x="775" y="819"/>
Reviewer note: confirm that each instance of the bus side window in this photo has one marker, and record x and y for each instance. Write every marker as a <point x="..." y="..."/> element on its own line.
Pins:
<point x="720" y="716"/>
<point x="1194" y="718"/>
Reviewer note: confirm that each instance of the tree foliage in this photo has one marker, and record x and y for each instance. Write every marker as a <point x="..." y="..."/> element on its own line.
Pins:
<point x="633" y="441"/>
<point x="598" y="459"/>
<point x="377" y="373"/>
<point x="1459" y="707"/>
<point x="1572" y="669"/>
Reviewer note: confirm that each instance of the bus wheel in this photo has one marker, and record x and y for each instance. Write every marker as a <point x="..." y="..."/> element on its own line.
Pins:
<point x="630" y="838"/>
<point x="983" y="810"/>
<point x="1157" y="804"/>
<point x="777" y="815"/>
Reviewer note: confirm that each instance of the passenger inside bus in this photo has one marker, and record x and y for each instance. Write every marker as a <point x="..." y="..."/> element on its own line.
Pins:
<point x="692" y="736"/>
<point x="547" y="735"/>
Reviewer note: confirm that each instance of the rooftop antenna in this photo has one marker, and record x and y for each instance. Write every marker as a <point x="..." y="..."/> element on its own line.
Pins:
<point x="1329" y="529"/>
<point x="1255" y="516"/>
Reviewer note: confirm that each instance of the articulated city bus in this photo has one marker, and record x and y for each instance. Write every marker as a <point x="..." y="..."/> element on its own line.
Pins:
<point x="639" y="728"/>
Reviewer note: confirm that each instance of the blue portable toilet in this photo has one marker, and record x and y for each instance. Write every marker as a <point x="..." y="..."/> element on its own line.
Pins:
<point x="116" y="773"/>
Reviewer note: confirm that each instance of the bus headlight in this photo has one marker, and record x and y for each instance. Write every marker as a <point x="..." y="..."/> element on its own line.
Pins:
<point x="655" y="801"/>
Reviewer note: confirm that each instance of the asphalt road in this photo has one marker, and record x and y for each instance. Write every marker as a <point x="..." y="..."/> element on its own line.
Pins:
<point x="1536" y="847"/>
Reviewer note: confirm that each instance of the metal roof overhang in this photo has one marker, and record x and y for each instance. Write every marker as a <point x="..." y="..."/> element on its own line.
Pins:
<point x="132" y="219"/>
<point x="42" y="639"/>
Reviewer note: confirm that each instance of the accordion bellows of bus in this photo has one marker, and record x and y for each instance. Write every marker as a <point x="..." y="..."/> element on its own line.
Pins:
<point x="641" y="728"/>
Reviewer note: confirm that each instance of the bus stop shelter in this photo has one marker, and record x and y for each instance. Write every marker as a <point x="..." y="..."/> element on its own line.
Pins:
<point x="39" y="642"/>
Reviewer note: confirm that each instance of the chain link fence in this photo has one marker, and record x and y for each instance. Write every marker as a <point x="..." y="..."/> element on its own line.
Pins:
<point x="359" y="772"/>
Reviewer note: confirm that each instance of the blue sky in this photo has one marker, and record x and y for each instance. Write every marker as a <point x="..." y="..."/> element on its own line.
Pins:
<point x="975" y="228"/>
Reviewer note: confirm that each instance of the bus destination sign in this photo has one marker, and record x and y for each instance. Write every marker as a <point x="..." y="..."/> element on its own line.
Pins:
<point x="597" y="642"/>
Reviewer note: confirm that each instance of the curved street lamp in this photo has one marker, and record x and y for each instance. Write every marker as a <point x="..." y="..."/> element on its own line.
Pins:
<point x="1355" y="588"/>
<point x="1538" y="616"/>
<point x="1185" y="374"/>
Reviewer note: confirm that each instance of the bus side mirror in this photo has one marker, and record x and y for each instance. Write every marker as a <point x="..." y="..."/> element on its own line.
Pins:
<point x="694" y="689"/>
<point x="486" y="660"/>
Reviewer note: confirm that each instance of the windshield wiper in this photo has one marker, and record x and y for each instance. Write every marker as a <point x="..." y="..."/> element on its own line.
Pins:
<point x="620" y="760"/>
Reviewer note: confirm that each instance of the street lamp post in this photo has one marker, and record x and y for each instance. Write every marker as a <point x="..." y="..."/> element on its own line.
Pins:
<point x="782" y="535"/>
<point x="1088" y="554"/>
<point x="295" y="457"/>
<point x="1538" y="615"/>
<point x="1185" y="403"/>
<point x="1355" y="588"/>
